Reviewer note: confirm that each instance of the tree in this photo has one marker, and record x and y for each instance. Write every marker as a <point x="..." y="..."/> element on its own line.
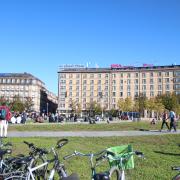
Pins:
<point x="125" y="105"/>
<point x="141" y="103"/>
<point x="28" y="104"/>
<point x="17" y="104"/>
<point x="98" y="109"/>
<point x="91" y="108"/>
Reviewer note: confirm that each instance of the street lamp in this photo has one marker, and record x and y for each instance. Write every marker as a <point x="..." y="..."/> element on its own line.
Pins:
<point x="47" y="107"/>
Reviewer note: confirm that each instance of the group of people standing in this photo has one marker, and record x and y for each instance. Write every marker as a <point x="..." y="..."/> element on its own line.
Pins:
<point x="172" y="118"/>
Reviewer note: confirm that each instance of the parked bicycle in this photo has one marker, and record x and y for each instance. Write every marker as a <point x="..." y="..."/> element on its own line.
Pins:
<point x="119" y="158"/>
<point x="176" y="168"/>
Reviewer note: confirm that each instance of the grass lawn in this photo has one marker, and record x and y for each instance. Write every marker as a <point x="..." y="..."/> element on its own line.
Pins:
<point x="161" y="153"/>
<point x="122" y="126"/>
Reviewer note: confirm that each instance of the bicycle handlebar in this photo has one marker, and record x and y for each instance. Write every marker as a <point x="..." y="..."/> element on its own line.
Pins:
<point x="36" y="149"/>
<point x="61" y="143"/>
<point x="177" y="168"/>
<point x="76" y="153"/>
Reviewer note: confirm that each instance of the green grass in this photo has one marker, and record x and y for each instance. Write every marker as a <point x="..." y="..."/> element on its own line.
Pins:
<point x="161" y="153"/>
<point x="122" y="126"/>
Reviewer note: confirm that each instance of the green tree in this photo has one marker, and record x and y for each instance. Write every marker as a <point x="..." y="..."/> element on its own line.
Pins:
<point x="18" y="105"/>
<point x="28" y="104"/>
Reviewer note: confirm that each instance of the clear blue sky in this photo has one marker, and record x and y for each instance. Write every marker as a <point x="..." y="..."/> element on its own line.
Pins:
<point x="37" y="36"/>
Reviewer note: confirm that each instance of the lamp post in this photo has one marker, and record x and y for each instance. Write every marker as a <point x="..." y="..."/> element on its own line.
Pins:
<point x="47" y="107"/>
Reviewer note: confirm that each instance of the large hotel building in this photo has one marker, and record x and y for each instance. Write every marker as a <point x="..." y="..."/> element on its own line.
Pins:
<point x="25" y="85"/>
<point x="107" y="85"/>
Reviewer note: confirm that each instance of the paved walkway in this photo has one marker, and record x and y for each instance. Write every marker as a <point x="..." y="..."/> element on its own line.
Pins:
<point x="87" y="133"/>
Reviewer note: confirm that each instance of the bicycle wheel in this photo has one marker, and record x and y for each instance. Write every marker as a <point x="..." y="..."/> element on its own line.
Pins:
<point x="40" y="173"/>
<point x="114" y="173"/>
<point x="177" y="177"/>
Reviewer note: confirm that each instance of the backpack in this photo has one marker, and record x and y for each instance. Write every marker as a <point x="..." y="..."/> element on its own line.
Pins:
<point x="3" y="114"/>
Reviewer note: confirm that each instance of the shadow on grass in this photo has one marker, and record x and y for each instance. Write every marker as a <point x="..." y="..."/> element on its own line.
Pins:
<point x="143" y="129"/>
<point x="167" y="153"/>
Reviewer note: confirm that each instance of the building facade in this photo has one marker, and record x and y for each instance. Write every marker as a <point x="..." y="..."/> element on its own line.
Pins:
<point x="25" y="85"/>
<point x="107" y="85"/>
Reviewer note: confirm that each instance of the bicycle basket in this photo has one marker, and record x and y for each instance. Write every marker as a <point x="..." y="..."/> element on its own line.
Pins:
<point x="123" y="152"/>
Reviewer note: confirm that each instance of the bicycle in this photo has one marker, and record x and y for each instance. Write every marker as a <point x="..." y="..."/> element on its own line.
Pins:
<point x="177" y="177"/>
<point x="36" y="171"/>
<point x="118" y="161"/>
<point x="107" y="175"/>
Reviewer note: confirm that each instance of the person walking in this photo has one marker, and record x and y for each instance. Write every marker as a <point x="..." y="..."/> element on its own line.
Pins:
<point x="172" y="120"/>
<point x="5" y="116"/>
<point x="164" y="121"/>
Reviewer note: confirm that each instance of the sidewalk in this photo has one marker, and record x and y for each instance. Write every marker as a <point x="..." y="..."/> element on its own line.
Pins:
<point x="87" y="133"/>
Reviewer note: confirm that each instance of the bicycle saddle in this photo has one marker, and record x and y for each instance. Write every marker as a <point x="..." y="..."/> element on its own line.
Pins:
<point x="73" y="176"/>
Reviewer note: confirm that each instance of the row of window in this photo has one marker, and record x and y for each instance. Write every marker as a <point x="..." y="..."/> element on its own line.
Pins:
<point x="114" y="100"/>
<point x="128" y="81"/>
<point x="114" y="75"/>
<point x="16" y="81"/>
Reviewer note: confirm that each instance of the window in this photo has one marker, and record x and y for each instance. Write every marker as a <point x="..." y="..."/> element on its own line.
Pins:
<point x="113" y="100"/>
<point x="92" y="82"/>
<point x="128" y="88"/>
<point x="136" y="81"/>
<point x="84" y="76"/>
<point x="128" y="75"/>
<point x="167" y="87"/>
<point x="70" y="88"/>
<point x="129" y="94"/>
<point x="99" y="88"/>
<point x="152" y="94"/>
<point x="77" y="75"/>
<point x="92" y="88"/>
<point x="151" y="87"/>
<point x="77" y="93"/>
<point x="91" y="75"/>
<point x="159" y="73"/>
<point x="114" y="75"/>
<point x="114" y="93"/>
<point x="77" y="82"/>
<point x="114" y="81"/>
<point x="121" y="81"/>
<point x="167" y="80"/>
<point x="166" y="74"/>
<point x="144" y="81"/>
<point x="144" y="87"/>
<point x="136" y="94"/>
<point x="136" y="87"/>
<point x="84" y="82"/>
<point x="114" y="88"/>
<point x="122" y="75"/>
<point x="77" y="88"/>
<point x="128" y="81"/>
<point x="159" y="87"/>
<point x="70" y="75"/>
<point x="121" y="88"/>
<point x="159" y="92"/>
<point x="151" y="81"/>
<point x="99" y="82"/>
<point x="106" y="82"/>
<point x="136" y="75"/>
<point x="106" y="88"/>
<point x="106" y="75"/>
<point x="159" y="80"/>
<point x="143" y="75"/>
<point x="151" y="74"/>
<point x="84" y="88"/>
<point x="99" y="75"/>
<point x="121" y="94"/>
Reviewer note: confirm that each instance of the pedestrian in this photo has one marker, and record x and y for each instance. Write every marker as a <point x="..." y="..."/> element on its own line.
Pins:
<point x="172" y="117"/>
<point x="5" y="116"/>
<point x="164" y="121"/>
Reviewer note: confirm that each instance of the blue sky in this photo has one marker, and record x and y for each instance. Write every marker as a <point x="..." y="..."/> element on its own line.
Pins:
<point x="37" y="36"/>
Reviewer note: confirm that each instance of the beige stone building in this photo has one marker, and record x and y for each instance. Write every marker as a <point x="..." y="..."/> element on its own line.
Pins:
<point x="107" y="85"/>
<point x="26" y="85"/>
